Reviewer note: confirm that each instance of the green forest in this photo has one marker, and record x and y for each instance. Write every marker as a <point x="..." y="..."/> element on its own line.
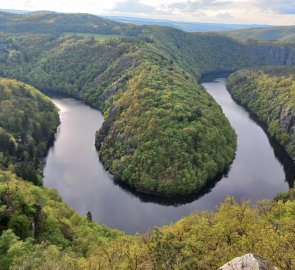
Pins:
<point x="28" y="121"/>
<point x="163" y="134"/>
<point x="146" y="84"/>
<point x="270" y="94"/>
<point x="281" y="33"/>
<point x="39" y="231"/>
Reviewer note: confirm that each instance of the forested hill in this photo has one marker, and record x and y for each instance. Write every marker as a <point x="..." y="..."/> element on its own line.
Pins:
<point x="282" y="33"/>
<point x="201" y="53"/>
<point x="62" y="239"/>
<point x="39" y="231"/>
<point x="28" y="121"/>
<point x="161" y="133"/>
<point x="52" y="22"/>
<point x="270" y="94"/>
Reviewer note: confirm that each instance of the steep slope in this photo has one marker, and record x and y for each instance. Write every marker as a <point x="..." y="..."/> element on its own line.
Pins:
<point x="39" y="231"/>
<point x="28" y="121"/>
<point x="35" y="221"/>
<point x="133" y="81"/>
<point x="201" y="53"/>
<point x="269" y="94"/>
<point x="166" y="130"/>
<point x="134" y="84"/>
<point x="205" y="240"/>
<point x="163" y="133"/>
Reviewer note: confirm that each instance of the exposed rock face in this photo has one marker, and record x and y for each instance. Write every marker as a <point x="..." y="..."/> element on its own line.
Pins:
<point x="248" y="262"/>
<point x="269" y="94"/>
<point x="287" y="119"/>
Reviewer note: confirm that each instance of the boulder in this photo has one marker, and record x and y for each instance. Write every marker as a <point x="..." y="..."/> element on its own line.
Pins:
<point x="248" y="262"/>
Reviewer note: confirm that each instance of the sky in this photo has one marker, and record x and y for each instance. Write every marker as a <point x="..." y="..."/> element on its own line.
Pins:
<point x="274" y="12"/>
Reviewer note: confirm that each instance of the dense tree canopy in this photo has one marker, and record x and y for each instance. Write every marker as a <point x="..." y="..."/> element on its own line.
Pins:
<point x="28" y="120"/>
<point x="282" y="33"/>
<point x="52" y="22"/>
<point x="270" y="94"/>
<point x="163" y="133"/>
<point x="40" y="232"/>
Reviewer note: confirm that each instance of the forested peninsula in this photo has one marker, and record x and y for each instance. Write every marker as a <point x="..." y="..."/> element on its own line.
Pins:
<point x="163" y="134"/>
<point x="39" y="231"/>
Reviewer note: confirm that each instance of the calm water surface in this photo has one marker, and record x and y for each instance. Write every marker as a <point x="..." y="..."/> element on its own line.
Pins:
<point x="73" y="168"/>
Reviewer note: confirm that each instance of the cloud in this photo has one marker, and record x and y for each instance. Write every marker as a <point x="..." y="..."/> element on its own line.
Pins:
<point x="226" y="11"/>
<point x="132" y="6"/>
<point x="280" y="7"/>
<point x="223" y="16"/>
<point x="189" y="6"/>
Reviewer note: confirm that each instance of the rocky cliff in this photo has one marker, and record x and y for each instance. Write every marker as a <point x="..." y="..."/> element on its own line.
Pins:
<point x="269" y="93"/>
<point x="248" y="262"/>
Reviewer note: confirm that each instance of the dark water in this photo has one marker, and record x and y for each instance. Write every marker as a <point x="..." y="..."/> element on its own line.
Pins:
<point x="73" y="168"/>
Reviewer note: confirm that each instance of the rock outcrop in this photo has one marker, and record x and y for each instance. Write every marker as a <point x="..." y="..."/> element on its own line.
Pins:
<point x="269" y="94"/>
<point x="248" y="262"/>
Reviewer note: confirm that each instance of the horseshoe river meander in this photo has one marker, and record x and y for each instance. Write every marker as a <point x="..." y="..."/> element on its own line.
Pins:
<point x="260" y="170"/>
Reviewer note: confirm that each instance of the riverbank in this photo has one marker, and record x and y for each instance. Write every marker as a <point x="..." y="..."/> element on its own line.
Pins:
<point x="85" y="185"/>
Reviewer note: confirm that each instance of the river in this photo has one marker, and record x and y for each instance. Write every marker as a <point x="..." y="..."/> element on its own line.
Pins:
<point x="73" y="168"/>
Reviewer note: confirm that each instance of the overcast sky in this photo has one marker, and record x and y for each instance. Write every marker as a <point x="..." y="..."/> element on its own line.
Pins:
<point x="280" y="12"/>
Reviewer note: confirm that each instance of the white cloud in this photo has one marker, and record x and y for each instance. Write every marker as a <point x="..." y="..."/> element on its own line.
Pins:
<point x="223" y="16"/>
<point x="188" y="6"/>
<point x="133" y="6"/>
<point x="225" y="11"/>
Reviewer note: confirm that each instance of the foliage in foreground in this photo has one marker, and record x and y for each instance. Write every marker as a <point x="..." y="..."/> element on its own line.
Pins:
<point x="61" y="239"/>
<point x="31" y="216"/>
<point x="286" y="196"/>
<point x="38" y="231"/>
<point x="270" y="94"/>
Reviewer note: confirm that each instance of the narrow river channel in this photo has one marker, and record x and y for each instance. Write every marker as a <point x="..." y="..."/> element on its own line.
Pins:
<point x="73" y="168"/>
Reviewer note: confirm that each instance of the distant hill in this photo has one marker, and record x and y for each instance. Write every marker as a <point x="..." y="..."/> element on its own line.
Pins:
<point x="186" y="26"/>
<point x="152" y="75"/>
<point x="133" y="80"/>
<point x="15" y="11"/>
<point x="163" y="134"/>
<point x="283" y="33"/>
<point x="52" y="22"/>
<point x="30" y="17"/>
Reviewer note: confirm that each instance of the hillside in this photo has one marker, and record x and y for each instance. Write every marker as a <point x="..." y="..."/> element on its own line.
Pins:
<point x="133" y="94"/>
<point x="39" y="231"/>
<point x="61" y="239"/>
<point x="161" y="134"/>
<point x="270" y="94"/>
<point x="28" y="121"/>
<point x="52" y="22"/>
<point x="282" y="33"/>
<point x="202" y="53"/>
